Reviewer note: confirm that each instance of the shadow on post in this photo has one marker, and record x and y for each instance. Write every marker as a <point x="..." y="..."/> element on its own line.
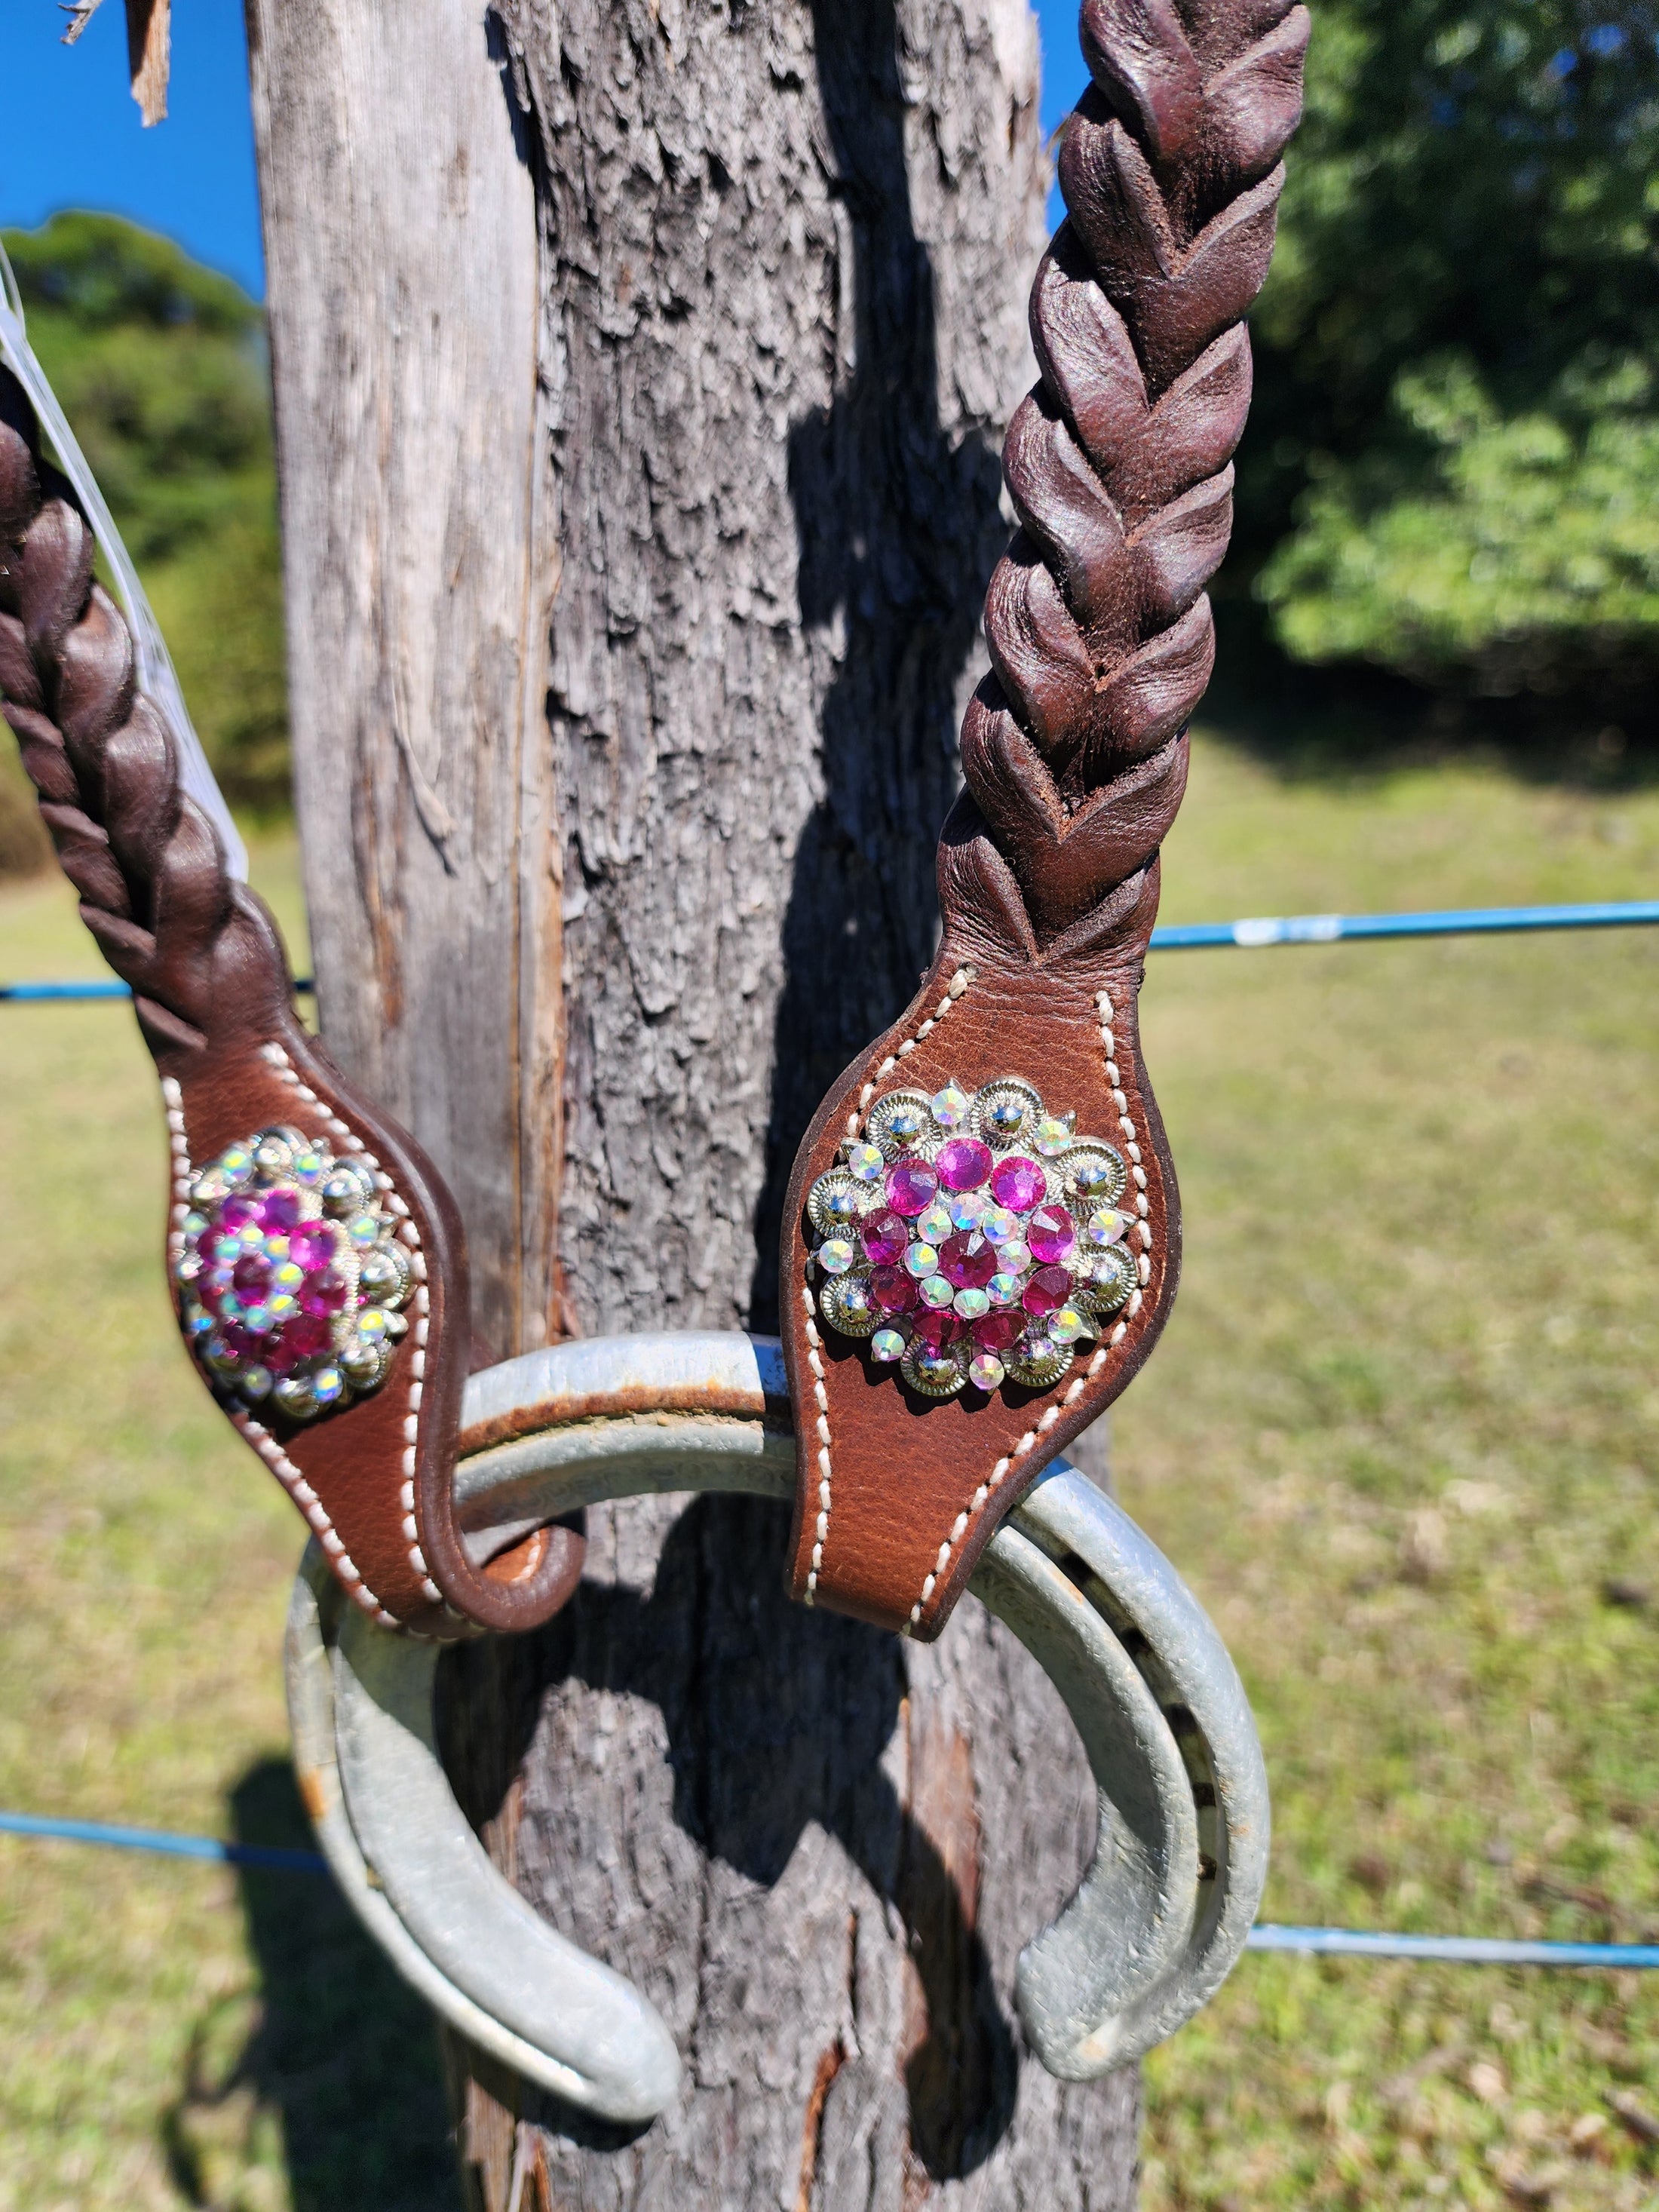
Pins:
<point x="899" y="528"/>
<point x="715" y="1645"/>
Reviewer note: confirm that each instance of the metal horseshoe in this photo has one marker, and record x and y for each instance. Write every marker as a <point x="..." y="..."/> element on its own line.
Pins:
<point x="1180" y="1854"/>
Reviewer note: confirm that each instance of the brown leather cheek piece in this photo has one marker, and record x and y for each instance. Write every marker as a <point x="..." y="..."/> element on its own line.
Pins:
<point x="1074" y="755"/>
<point x="214" y="997"/>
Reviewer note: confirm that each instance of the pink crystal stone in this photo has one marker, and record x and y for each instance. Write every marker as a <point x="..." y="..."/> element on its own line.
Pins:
<point x="323" y="1293"/>
<point x="308" y="1335"/>
<point x="963" y="1163"/>
<point x="1050" y="1233"/>
<point x="279" y="1212"/>
<point x="892" y="1289"/>
<point x="279" y="1353"/>
<point x="251" y="1274"/>
<point x="213" y="1288"/>
<point x="912" y="1186"/>
<point x="967" y="1259"/>
<point x="312" y="1245"/>
<point x="239" y="1341"/>
<point x="1018" y="1183"/>
<point x="1047" y="1291"/>
<point x="996" y="1331"/>
<point x="884" y="1238"/>
<point x="936" y="1330"/>
<point x="236" y="1210"/>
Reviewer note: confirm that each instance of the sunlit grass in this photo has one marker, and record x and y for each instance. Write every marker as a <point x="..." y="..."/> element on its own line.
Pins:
<point x="146" y="1568"/>
<point x="1401" y="1436"/>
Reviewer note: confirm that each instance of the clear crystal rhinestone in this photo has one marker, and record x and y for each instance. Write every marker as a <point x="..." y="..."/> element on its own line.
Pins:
<point x="968" y="1209"/>
<point x="1005" y="1287"/>
<point x="921" y="1260"/>
<point x="887" y="1345"/>
<point x="971" y="1303"/>
<point x="937" y="1292"/>
<point x="836" y="1255"/>
<point x="1104" y="1227"/>
<point x="1067" y="1325"/>
<point x="328" y="1385"/>
<point x="935" y="1225"/>
<point x="986" y="1371"/>
<point x="951" y="1107"/>
<point x="1052" y="1136"/>
<point x="865" y="1162"/>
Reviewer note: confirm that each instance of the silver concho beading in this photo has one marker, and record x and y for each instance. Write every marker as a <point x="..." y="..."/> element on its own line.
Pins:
<point x="291" y="1276"/>
<point x="971" y="1240"/>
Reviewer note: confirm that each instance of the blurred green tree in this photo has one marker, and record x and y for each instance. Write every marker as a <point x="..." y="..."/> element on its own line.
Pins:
<point x="160" y="366"/>
<point x="1451" y="465"/>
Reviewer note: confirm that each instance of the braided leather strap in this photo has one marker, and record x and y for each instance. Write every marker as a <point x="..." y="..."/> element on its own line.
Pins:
<point x="1005" y="1126"/>
<point x="368" y="1456"/>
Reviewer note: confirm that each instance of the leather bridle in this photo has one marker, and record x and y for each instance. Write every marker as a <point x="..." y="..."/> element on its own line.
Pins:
<point x="982" y="1231"/>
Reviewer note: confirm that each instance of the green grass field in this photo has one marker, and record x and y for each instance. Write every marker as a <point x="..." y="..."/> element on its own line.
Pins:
<point x="1400" y="1437"/>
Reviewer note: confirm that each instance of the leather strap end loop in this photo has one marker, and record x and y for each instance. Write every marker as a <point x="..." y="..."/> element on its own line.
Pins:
<point x="1007" y="1111"/>
<point x="982" y="1235"/>
<point x="316" y="1260"/>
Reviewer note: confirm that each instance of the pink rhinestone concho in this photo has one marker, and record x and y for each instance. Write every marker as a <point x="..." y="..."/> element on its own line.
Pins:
<point x="291" y="1278"/>
<point x="971" y="1240"/>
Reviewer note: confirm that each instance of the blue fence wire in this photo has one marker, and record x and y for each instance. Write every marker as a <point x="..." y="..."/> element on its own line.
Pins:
<point x="164" y="1840"/>
<point x="1460" y="1950"/>
<point x="1251" y="935"/>
<point x="1463" y="1950"/>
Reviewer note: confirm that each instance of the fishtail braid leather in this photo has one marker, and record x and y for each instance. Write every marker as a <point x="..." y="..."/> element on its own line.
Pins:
<point x="153" y="889"/>
<point x="1119" y="461"/>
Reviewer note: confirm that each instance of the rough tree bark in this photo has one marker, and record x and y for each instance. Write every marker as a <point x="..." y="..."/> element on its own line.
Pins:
<point x="642" y="368"/>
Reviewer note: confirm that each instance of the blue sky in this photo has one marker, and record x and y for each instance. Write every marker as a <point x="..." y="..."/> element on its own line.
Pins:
<point x="71" y="135"/>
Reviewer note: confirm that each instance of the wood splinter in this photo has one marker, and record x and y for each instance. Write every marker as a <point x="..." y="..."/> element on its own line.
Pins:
<point x="149" y="48"/>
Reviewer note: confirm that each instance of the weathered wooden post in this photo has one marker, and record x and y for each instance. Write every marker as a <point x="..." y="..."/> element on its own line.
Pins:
<point x="640" y="371"/>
